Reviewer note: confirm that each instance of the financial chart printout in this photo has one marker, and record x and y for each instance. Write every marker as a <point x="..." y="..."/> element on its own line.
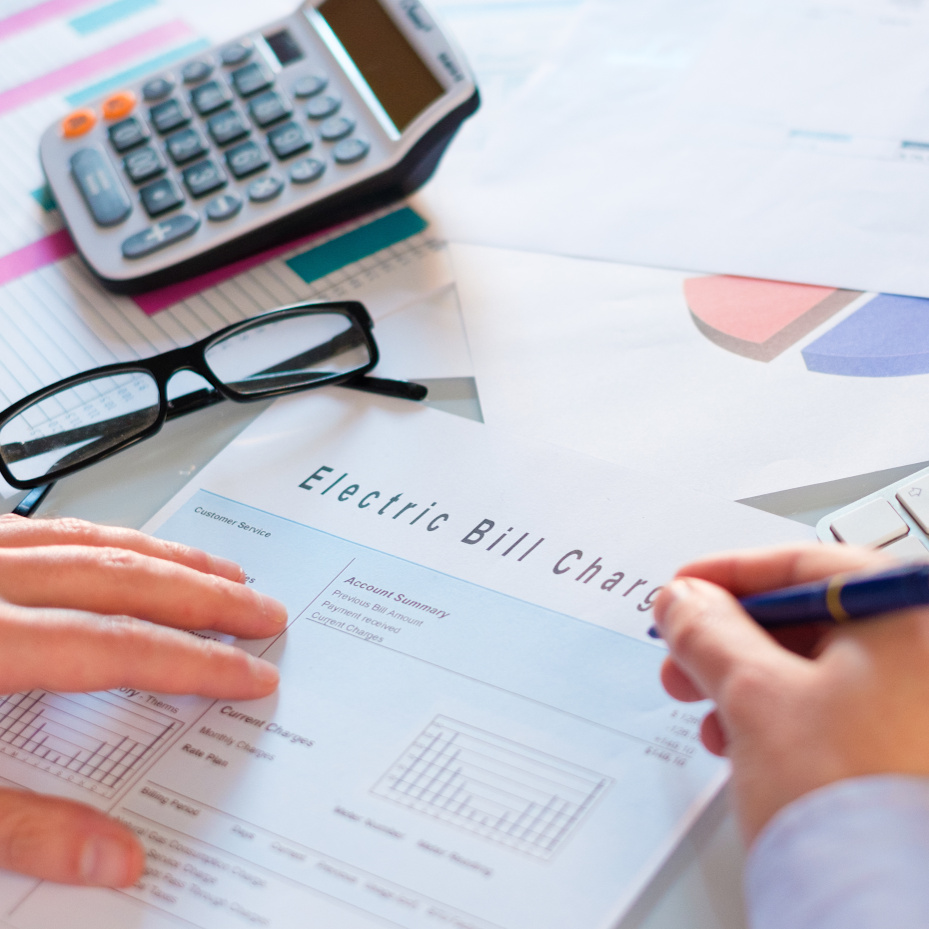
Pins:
<point x="469" y="731"/>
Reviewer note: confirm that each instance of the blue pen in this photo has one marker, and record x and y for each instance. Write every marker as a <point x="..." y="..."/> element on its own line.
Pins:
<point x="839" y="598"/>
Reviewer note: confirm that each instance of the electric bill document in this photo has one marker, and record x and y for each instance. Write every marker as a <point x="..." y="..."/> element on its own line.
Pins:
<point x="469" y="731"/>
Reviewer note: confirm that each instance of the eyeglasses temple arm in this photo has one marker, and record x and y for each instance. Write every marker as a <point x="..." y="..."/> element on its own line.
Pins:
<point x="405" y="390"/>
<point x="33" y="500"/>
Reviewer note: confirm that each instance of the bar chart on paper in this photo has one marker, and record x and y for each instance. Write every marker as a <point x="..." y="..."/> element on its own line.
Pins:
<point x="97" y="741"/>
<point x="499" y="789"/>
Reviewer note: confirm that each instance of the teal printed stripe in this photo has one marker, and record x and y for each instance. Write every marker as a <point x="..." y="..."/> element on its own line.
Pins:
<point x="119" y="81"/>
<point x="357" y="244"/>
<point x="107" y="15"/>
<point x="43" y="196"/>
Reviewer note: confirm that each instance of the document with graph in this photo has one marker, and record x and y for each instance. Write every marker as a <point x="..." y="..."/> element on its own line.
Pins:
<point x="469" y="731"/>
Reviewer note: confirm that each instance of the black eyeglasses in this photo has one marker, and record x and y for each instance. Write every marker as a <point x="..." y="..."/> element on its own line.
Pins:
<point x="87" y="417"/>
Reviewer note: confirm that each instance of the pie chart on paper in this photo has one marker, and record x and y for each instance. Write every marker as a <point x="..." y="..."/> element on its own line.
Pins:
<point x="760" y="319"/>
<point x="887" y="337"/>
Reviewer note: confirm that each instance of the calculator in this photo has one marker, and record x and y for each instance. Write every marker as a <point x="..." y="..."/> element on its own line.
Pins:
<point x="340" y="108"/>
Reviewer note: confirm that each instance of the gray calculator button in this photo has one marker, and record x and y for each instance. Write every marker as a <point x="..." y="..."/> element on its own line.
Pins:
<point x="235" y="53"/>
<point x="161" y="196"/>
<point x="104" y="195"/>
<point x="288" y="139"/>
<point x="203" y="178"/>
<point x="210" y="97"/>
<point x="172" y="114"/>
<point x="321" y="107"/>
<point x="195" y="71"/>
<point x="157" y="88"/>
<point x="250" y="79"/>
<point x="144" y="163"/>
<point x="348" y="151"/>
<point x="306" y="170"/>
<point x="336" y="128"/>
<point x="309" y="86"/>
<point x="225" y="206"/>
<point x="269" y="108"/>
<point x="246" y="159"/>
<point x="228" y="127"/>
<point x="185" y="146"/>
<point x="160" y="235"/>
<point x="265" y="188"/>
<point x="127" y="134"/>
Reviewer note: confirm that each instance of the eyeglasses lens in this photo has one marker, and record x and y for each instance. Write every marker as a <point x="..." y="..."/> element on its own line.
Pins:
<point x="78" y="423"/>
<point x="288" y="353"/>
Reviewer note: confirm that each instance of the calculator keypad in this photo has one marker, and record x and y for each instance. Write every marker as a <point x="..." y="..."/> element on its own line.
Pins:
<point x="211" y="124"/>
<point x="227" y="127"/>
<point x="161" y="196"/>
<point x="246" y="159"/>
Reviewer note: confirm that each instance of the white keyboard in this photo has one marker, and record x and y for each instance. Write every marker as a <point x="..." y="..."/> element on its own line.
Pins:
<point x="894" y="519"/>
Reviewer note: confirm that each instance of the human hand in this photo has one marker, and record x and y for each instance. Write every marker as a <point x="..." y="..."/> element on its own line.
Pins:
<point x="84" y="608"/>
<point x="808" y="707"/>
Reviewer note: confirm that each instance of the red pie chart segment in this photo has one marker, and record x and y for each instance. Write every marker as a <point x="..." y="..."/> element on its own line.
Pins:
<point x="887" y="337"/>
<point x="759" y="319"/>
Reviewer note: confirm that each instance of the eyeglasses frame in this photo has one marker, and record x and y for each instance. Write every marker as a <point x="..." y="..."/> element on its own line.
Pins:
<point x="164" y="366"/>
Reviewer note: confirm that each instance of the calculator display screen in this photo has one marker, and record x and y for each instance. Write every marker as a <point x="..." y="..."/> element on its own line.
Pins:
<point x="397" y="76"/>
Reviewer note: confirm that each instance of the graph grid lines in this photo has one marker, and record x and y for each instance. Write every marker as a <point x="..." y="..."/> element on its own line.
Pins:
<point x="97" y="741"/>
<point x="494" y="787"/>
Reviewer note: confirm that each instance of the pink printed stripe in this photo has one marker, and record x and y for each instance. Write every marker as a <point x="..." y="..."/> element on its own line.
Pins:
<point x="106" y="60"/>
<point x="156" y="300"/>
<point x="38" y="14"/>
<point x="36" y="255"/>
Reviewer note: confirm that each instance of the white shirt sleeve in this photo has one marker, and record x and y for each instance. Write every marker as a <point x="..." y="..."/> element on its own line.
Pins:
<point x="853" y="855"/>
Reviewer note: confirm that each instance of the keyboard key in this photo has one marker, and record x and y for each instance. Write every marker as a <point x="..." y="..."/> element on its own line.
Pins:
<point x="251" y="79"/>
<point x="235" y="53"/>
<point x="914" y="498"/>
<point x="269" y="108"/>
<point x="161" y="196"/>
<point x="288" y="139"/>
<point x="874" y="524"/>
<point x="348" y="151"/>
<point x="309" y="86"/>
<point x="78" y="123"/>
<point x="336" y="128"/>
<point x="172" y="114"/>
<point x="246" y="159"/>
<point x="265" y="188"/>
<point x="127" y="134"/>
<point x="228" y="127"/>
<point x="225" y="206"/>
<point x="908" y="548"/>
<point x="210" y="97"/>
<point x="306" y="170"/>
<point x="143" y="164"/>
<point x="104" y="195"/>
<point x="162" y="234"/>
<point x="322" y="107"/>
<point x="157" y="88"/>
<point x="195" y="71"/>
<point x="118" y="105"/>
<point x="185" y="146"/>
<point x="203" y="178"/>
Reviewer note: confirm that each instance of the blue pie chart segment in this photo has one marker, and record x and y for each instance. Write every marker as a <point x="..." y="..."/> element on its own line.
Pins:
<point x="887" y="337"/>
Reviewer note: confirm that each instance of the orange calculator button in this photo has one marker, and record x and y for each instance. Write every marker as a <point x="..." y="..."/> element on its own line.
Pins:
<point x="118" y="105"/>
<point x="78" y="122"/>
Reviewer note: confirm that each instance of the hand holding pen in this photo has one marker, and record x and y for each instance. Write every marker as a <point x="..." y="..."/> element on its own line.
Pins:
<point x="844" y="700"/>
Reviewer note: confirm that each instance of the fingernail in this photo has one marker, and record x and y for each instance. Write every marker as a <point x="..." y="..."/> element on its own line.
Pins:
<point x="226" y="568"/>
<point x="673" y="593"/>
<point x="104" y="862"/>
<point x="265" y="673"/>
<point x="273" y="609"/>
